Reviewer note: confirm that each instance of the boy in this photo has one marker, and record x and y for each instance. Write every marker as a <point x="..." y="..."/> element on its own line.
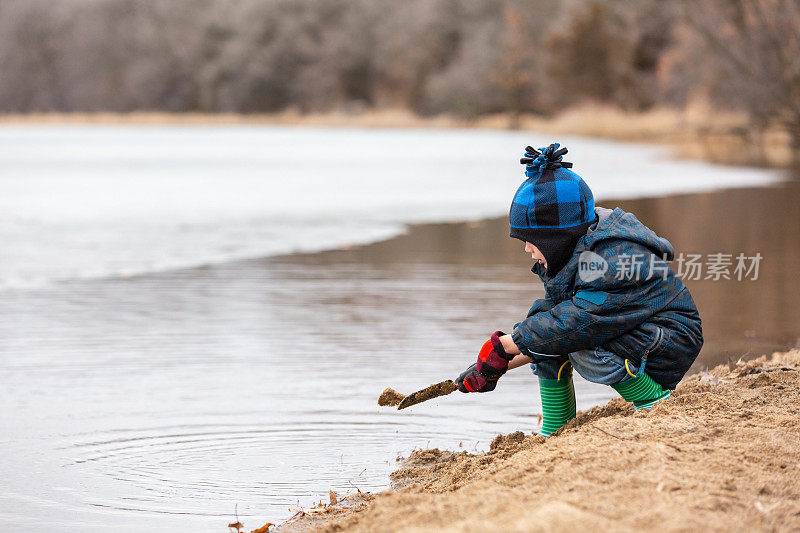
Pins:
<point x="613" y="309"/>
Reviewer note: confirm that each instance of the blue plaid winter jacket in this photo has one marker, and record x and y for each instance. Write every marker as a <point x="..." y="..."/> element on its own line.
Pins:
<point x="617" y="292"/>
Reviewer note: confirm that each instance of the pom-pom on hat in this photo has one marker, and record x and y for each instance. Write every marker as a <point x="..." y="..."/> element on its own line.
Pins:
<point x="553" y="207"/>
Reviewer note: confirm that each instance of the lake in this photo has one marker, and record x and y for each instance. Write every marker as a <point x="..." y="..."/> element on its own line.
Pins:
<point x="188" y="325"/>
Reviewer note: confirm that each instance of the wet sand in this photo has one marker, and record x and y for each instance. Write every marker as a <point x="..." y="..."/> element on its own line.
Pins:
<point x="720" y="455"/>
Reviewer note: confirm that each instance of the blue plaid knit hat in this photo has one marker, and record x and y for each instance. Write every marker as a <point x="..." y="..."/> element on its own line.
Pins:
<point x="553" y="208"/>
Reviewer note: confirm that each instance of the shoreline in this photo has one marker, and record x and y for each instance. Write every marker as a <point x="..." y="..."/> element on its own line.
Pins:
<point x="718" y="455"/>
<point x="695" y="132"/>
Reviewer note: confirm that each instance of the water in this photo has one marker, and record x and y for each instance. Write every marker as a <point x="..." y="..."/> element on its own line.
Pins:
<point x="91" y="201"/>
<point x="163" y="399"/>
<point x="168" y="399"/>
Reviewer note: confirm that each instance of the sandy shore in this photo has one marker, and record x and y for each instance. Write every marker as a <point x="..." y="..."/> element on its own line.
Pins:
<point x="720" y="455"/>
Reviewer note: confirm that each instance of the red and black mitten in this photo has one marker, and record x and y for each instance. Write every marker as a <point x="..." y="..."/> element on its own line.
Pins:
<point x="492" y="363"/>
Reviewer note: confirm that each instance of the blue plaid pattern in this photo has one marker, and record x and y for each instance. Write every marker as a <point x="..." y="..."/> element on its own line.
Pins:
<point x="552" y="199"/>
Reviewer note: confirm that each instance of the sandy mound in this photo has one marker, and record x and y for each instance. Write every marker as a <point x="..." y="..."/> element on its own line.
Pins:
<point x="722" y="454"/>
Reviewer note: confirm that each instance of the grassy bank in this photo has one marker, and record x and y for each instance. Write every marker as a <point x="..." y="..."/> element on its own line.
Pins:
<point x="720" y="455"/>
<point x="697" y="132"/>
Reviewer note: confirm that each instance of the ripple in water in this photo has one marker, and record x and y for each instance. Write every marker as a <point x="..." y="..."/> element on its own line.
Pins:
<point x="167" y="400"/>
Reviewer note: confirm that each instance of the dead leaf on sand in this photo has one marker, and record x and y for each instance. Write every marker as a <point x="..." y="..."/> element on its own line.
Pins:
<point x="238" y="524"/>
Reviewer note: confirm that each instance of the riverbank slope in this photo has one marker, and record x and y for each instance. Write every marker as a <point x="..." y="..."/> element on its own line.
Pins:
<point x="720" y="455"/>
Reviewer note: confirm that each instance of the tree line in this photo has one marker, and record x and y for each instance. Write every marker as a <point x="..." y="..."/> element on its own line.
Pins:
<point x="467" y="58"/>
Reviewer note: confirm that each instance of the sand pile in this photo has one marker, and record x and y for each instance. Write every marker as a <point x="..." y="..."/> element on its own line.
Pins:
<point x="722" y="454"/>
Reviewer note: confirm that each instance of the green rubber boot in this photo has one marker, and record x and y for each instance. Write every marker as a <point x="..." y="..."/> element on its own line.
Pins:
<point x="558" y="401"/>
<point x="642" y="391"/>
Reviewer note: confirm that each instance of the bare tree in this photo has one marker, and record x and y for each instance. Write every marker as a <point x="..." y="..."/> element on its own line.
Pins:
<point x="749" y="52"/>
<point x="609" y="51"/>
<point x="430" y="56"/>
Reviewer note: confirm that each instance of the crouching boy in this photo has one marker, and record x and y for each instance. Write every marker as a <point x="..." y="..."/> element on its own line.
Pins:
<point x="613" y="309"/>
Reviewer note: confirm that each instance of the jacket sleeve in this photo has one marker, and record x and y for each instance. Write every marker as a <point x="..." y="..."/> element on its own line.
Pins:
<point x="599" y="310"/>
<point x="542" y="304"/>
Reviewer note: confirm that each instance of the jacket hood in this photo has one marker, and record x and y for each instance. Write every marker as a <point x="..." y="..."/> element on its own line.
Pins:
<point x="619" y="224"/>
<point x="611" y="224"/>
